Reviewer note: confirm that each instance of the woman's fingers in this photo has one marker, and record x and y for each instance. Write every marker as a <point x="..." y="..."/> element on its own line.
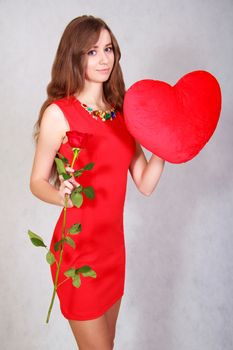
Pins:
<point x="61" y="177"/>
<point x="70" y="203"/>
<point x="70" y="183"/>
<point x="67" y="190"/>
<point x="67" y="186"/>
<point x="69" y="169"/>
<point x="72" y="179"/>
<point x="74" y="182"/>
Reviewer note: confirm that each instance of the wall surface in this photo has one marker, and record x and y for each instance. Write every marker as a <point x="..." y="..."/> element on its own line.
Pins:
<point x="179" y="271"/>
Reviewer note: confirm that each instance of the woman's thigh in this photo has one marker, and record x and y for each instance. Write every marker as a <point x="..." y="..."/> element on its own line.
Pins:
<point x="92" y="334"/>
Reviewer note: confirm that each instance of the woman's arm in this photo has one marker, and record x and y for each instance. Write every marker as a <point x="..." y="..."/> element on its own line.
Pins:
<point x="52" y="130"/>
<point x="146" y="174"/>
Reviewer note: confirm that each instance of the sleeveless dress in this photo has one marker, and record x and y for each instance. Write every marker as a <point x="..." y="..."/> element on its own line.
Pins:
<point x="100" y="244"/>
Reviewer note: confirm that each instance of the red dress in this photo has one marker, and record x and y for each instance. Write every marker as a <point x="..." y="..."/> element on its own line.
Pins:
<point x="100" y="244"/>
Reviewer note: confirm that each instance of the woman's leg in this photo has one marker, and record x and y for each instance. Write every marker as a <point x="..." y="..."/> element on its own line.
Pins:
<point x="111" y="316"/>
<point x="92" y="334"/>
<point x="97" y="334"/>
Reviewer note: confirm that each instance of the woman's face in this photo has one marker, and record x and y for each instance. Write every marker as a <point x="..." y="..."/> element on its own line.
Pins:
<point x="100" y="59"/>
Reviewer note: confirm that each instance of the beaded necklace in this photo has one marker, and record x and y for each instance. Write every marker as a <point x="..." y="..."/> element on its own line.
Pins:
<point x="103" y="115"/>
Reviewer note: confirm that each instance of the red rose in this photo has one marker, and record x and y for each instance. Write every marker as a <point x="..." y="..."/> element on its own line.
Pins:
<point x="78" y="139"/>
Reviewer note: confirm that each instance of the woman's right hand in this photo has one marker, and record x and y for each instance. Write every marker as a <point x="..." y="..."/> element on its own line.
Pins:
<point x="67" y="186"/>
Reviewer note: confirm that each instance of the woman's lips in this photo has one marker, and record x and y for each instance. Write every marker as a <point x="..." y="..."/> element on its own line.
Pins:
<point x="103" y="70"/>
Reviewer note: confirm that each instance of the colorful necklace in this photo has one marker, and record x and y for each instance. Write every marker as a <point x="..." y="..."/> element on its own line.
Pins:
<point x="103" y="115"/>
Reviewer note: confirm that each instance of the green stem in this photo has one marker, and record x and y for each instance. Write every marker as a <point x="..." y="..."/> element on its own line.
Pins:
<point x="60" y="260"/>
<point x="76" y="153"/>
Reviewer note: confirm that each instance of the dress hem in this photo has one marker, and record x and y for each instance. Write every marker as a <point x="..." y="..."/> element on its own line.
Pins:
<point x="91" y="316"/>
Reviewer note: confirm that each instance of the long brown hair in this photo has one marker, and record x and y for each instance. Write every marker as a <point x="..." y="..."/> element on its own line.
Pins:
<point x="68" y="70"/>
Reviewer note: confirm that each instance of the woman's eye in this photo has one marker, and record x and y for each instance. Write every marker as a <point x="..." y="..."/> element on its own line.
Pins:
<point x="93" y="52"/>
<point x="109" y="49"/>
<point x="90" y="52"/>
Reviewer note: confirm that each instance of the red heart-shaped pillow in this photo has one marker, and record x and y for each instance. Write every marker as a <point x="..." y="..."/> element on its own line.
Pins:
<point x="174" y="122"/>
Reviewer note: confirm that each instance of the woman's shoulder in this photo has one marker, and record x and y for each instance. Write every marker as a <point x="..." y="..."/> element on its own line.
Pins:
<point x="54" y="114"/>
<point x="64" y="101"/>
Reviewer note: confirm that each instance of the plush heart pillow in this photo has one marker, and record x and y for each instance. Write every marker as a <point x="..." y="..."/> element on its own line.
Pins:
<point x="174" y="122"/>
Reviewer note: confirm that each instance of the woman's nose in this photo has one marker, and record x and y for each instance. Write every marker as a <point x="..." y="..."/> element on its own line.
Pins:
<point x="103" y="57"/>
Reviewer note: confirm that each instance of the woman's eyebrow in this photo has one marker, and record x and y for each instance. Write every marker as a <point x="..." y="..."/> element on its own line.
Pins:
<point x="95" y="46"/>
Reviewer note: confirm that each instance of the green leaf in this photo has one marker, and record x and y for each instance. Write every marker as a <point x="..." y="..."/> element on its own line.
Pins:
<point x="70" y="241"/>
<point x="60" y="166"/>
<point x="75" y="229"/>
<point x="76" y="281"/>
<point x="36" y="240"/>
<point x="89" y="166"/>
<point x="89" y="192"/>
<point x="64" y="159"/>
<point x="66" y="176"/>
<point x="50" y="258"/>
<point x="77" y="198"/>
<point x="57" y="244"/>
<point x="78" y="173"/>
<point x="70" y="272"/>
<point x="34" y="235"/>
<point x="79" y="188"/>
<point x="86" y="271"/>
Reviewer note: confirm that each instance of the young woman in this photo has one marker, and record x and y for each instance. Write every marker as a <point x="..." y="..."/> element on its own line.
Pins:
<point x="86" y="84"/>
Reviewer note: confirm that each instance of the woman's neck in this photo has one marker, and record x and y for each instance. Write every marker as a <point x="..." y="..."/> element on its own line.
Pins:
<point x="92" y="95"/>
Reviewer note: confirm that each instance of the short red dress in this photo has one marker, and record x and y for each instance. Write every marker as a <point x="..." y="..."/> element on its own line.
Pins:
<point x="100" y="244"/>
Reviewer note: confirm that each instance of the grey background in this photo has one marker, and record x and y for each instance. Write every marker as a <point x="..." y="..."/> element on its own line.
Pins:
<point x="179" y="273"/>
